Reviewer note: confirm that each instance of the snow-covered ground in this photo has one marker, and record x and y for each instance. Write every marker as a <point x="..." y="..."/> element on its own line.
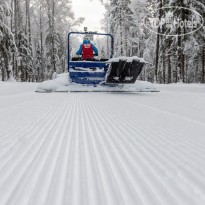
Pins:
<point x="102" y="148"/>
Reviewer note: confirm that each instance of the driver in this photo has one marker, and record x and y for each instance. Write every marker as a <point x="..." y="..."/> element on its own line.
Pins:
<point x="87" y="49"/>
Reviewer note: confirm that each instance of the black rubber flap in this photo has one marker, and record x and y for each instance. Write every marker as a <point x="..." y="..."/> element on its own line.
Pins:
<point x="123" y="72"/>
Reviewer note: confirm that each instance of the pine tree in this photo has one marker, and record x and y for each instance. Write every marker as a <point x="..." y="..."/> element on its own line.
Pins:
<point x="7" y="43"/>
<point x="179" y="57"/>
<point x="24" y="57"/>
<point x="121" y="23"/>
<point x="38" y="65"/>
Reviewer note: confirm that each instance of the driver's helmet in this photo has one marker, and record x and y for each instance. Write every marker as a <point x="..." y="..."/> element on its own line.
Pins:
<point x="86" y="38"/>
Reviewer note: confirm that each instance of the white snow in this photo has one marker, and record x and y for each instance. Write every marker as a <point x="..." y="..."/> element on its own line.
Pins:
<point x="62" y="84"/>
<point x="11" y="79"/>
<point x="59" y="81"/>
<point x="102" y="148"/>
<point x="128" y="59"/>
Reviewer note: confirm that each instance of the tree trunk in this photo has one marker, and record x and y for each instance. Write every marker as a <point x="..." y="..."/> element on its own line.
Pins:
<point x="184" y="40"/>
<point x="186" y="72"/>
<point x="16" y="26"/>
<point x="157" y="45"/>
<point x="29" y="27"/>
<point x="53" y="33"/>
<point x="169" y="75"/>
<point x="203" y="65"/>
<point x="6" y="61"/>
<point x="41" y="40"/>
<point x="121" y="41"/>
<point x="182" y="68"/>
<point x="2" y="73"/>
<point x="26" y="24"/>
<point x="196" y="70"/>
<point x="164" y="70"/>
<point x="179" y="55"/>
<point x="16" y="67"/>
<point x="157" y="58"/>
<point x="180" y="60"/>
<point x="16" y="18"/>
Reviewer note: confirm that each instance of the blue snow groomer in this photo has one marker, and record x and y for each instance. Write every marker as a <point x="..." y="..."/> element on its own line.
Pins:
<point x="105" y="72"/>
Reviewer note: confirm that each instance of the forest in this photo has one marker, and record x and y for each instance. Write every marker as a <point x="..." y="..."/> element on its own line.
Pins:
<point x="33" y="38"/>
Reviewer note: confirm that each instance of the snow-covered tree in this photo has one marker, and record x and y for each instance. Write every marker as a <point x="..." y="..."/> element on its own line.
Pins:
<point x="178" y="57"/>
<point x="121" y="23"/>
<point x="24" y="57"/>
<point x="60" y="17"/>
<point x="7" y="43"/>
<point x="38" y="70"/>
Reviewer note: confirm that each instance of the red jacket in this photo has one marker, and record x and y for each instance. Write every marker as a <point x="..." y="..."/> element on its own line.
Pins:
<point x="87" y="51"/>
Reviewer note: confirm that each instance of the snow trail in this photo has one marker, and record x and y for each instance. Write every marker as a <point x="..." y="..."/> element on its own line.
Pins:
<point x="102" y="148"/>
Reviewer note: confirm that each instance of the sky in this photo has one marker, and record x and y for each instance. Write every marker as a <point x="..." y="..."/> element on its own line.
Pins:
<point x="92" y="11"/>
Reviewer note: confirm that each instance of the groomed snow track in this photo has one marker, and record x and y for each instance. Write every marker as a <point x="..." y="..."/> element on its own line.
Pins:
<point x="102" y="148"/>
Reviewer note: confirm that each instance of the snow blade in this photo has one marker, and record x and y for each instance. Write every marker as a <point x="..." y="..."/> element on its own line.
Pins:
<point x="123" y="72"/>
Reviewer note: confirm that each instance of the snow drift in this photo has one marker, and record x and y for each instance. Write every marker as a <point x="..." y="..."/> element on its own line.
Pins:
<point x="127" y="59"/>
<point x="62" y="83"/>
